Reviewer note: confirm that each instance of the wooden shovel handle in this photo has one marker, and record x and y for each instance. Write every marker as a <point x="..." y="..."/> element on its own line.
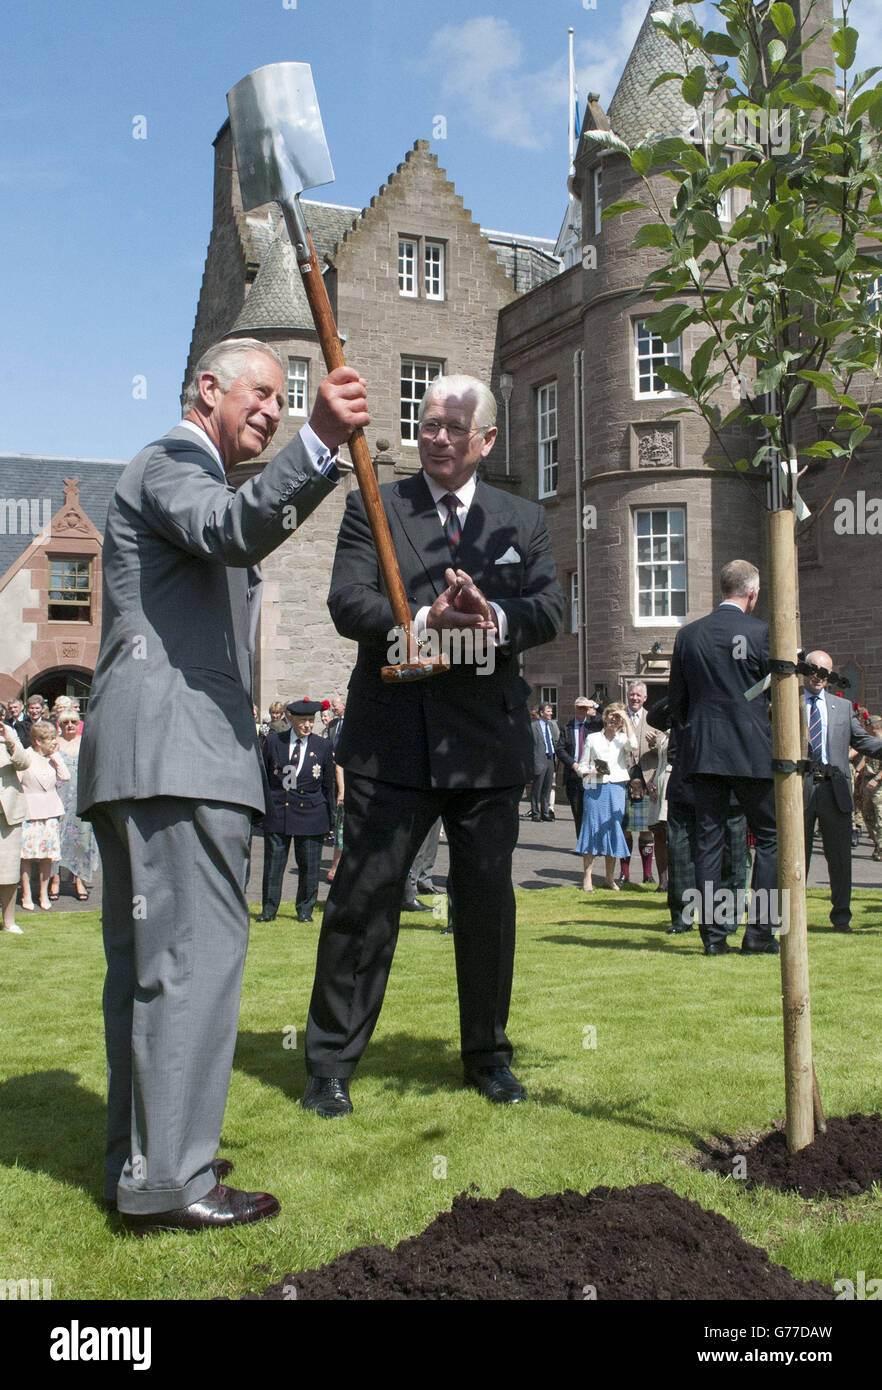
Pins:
<point x="323" y="317"/>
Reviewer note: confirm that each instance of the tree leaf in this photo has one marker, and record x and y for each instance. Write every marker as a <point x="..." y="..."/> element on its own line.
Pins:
<point x="844" y="41"/>
<point x="654" y="234"/>
<point x="783" y="19"/>
<point x="694" y="86"/>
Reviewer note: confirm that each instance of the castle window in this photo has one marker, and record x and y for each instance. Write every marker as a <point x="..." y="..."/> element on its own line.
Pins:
<point x="407" y="263"/>
<point x="548" y="696"/>
<point x="652" y="352"/>
<point x="420" y="268"/>
<point x="660" y="566"/>
<point x="598" y="201"/>
<point x="434" y="266"/>
<point x="70" y="591"/>
<point x="416" y="373"/>
<point x="298" y="385"/>
<point x="546" y="421"/>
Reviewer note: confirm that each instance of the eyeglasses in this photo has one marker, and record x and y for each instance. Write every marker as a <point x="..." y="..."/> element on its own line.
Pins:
<point x="430" y="429"/>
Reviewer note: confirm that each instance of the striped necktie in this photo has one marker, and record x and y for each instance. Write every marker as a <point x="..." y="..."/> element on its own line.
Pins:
<point x="815" y="729"/>
<point x="452" y="528"/>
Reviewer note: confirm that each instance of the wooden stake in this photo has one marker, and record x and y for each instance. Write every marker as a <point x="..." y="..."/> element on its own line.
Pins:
<point x="786" y="744"/>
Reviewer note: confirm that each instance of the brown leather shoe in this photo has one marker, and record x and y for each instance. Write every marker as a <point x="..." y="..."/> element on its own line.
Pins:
<point x="222" y="1206"/>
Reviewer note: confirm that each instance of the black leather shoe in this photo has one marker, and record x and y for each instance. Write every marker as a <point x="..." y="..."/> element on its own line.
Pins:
<point x="447" y="931"/>
<point x="677" y="930"/>
<point x="720" y="949"/>
<point x="550" y="816"/>
<point x="425" y="885"/>
<point x="301" y="918"/>
<point x="843" y="927"/>
<point x="222" y="1206"/>
<point x="415" y="906"/>
<point x="266" y="917"/>
<point x="768" y="948"/>
<point x="496" y="1084"/>
<point x="328" y="1096"/>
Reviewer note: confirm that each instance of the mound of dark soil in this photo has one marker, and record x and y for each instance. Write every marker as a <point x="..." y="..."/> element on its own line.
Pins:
<point x="841" y="1163"/>
<point x="610" y="1243"/>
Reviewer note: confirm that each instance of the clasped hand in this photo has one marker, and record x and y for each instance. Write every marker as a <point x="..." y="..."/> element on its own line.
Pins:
<point x="460" y="605"/>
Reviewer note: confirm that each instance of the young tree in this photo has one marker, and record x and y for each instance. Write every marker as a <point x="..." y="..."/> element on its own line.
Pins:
<point x="789" y="294"/>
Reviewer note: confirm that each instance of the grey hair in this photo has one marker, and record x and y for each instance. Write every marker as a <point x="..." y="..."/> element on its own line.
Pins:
<point x="225" y="360"/>
<point x="738" y="578"/>
<point x="484" y="413"/>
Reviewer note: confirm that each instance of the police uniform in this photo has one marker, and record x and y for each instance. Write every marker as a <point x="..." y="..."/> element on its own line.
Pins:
<point x="302" y="797"/>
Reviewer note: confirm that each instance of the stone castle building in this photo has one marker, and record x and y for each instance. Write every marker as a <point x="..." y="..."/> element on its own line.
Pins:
<point x="641" y="515"/>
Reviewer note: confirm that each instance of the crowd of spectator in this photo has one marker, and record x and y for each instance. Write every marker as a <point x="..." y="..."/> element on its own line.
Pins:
<point x="40" y="832"/>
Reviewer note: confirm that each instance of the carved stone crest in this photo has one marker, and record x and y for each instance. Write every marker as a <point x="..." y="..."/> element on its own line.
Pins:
<point x="656" y="446"/>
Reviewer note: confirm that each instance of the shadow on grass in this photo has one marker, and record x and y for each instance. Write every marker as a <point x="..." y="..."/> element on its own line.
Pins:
<point x="52" y="1125"/>
<point x="668" y="946"/>
<point x="429" y="1067"/>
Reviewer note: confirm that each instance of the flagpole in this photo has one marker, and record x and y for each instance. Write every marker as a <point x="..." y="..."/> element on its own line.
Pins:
<point x="571" y="113"/>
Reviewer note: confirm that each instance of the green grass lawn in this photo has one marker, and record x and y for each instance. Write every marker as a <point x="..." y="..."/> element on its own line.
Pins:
<point x="633" y="1047"/>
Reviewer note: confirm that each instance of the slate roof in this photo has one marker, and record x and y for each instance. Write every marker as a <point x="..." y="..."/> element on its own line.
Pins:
<point x="277" y="299"/>
<point x="530" y="261"/>
<point x="35" y="476"/>
<point x="633" y="112"/>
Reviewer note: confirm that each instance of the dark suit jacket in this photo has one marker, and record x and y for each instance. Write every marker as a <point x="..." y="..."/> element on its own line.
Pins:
<point x="307" y="807"/>
<point x="566" y="746"/>
<point x="170" y="711"/>
<point x="717" y="659"/>
<point x="461" y="729"/>
<point x="844" y="731"/>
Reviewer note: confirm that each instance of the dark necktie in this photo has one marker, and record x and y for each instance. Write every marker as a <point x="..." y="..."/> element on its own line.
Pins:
<point x="816" y="732"/>
<point x="452" y="528"/>
<point x="580" y="739"/>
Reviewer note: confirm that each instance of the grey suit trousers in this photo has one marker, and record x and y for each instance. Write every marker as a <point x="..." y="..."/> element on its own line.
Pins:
<point x="175" y="937"/>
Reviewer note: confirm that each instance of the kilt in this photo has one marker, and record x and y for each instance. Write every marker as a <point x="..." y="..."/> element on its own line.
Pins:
<point x="636" y="815"/>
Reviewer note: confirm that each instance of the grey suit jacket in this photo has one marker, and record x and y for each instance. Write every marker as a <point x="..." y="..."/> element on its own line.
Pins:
<point x="844" y="731"/>
<point x="170" y="711"/>
<point x="540" y="752"/>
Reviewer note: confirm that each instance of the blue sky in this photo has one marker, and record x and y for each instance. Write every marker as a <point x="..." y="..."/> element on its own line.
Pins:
<point x="103" y="236"/>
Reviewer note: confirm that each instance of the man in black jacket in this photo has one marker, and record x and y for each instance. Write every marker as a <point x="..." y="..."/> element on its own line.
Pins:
<point x="726" y="748"/>
<point x="474" y="560"/>
<point x="585" y="721"/>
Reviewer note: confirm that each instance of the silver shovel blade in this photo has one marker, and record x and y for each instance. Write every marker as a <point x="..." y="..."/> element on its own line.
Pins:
<point x="278" y="134"/>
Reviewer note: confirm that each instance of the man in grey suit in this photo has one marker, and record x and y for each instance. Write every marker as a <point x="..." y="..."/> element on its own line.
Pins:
<point x="546" y="732"/>
<point x="833" y="727"/>
<point x="172" y="799"/>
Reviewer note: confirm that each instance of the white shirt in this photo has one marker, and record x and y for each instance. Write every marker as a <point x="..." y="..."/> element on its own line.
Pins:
<point x="319" y="454"/>
<point x="292" y="751"/>
<point x="618" y="752"/>
<point x="822" y="711"/>
<point x="464" y="495"/>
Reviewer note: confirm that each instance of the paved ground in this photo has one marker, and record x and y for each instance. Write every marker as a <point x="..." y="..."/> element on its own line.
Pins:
<point x="543" y="859"/>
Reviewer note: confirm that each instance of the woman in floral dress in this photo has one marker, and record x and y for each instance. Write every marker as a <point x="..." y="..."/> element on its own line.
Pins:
<point x="78" y="851"/>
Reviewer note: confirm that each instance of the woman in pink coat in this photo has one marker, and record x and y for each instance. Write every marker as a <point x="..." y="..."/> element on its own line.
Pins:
<point x="40" y="839"/>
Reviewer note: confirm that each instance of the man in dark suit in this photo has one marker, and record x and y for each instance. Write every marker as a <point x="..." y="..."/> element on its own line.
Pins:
<point x="300" y="770"/>
<point x="475" y="562"/>
<point x="833" y="727"/>
<point x="569" y="747"/>
<point x="546" y="732"/>
<point x="172" y="807"/>
<point x="18" y="721"/>
<point x="727" y="747"/>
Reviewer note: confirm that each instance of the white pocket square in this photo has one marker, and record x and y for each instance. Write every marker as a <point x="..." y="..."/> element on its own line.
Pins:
<point x="511" y="557"/>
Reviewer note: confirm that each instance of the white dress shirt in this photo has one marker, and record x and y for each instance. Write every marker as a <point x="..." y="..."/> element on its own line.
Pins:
<point x="465" y="496"/>
<point x="319" y="454"/>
